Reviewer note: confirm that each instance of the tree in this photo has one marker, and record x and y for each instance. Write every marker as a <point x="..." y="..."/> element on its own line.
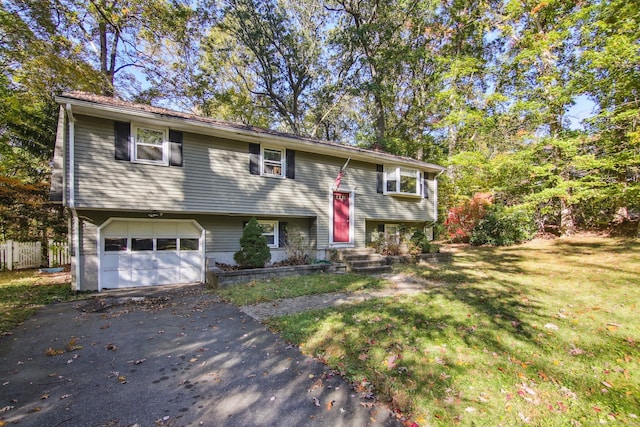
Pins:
<point x="610" y="66"/>
<point x="273" y="50"/>
<point x="254" y="252"/>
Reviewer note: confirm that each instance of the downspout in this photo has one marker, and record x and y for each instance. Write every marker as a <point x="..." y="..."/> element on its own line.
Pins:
<point x="72" y="195"/>
<point x="435" y="200"/>
<point x="435" y="196"/>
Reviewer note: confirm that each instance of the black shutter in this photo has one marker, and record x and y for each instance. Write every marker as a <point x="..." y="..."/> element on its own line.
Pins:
<point x="123" y="135"/>
<point x="291" y="164"/>
<point x="380" y="228"/>
<point x="379" y="178"/>
<point x="254" y="159"/>
<point x="282" y="234"/>
<point x="175" y="141"/>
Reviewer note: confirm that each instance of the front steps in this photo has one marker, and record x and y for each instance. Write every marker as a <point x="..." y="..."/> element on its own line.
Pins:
<point x="363" y="261"/>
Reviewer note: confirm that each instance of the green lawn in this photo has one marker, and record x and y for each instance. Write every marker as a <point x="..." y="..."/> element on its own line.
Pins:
<point x="23" y="292"/>
<point x="546" y="333"/>
<point x="290" y="287"/>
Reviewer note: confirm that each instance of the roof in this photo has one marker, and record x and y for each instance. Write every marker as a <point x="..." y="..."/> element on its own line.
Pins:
<point x="116" y="109"/>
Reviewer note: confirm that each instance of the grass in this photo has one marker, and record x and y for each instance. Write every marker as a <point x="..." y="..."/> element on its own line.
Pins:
<point x="23" y="292"/>
<point x="290" y="287"/>
<point x="546" y="334"/>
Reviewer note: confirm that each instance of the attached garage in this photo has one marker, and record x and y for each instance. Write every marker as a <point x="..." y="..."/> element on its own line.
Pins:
<point x="150" y="252"/>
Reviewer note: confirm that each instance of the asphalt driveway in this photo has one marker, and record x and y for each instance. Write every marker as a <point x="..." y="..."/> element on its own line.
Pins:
<point x="177" y="357"/>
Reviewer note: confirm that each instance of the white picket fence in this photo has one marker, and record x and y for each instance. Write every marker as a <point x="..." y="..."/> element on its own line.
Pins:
<point x="19" y="255"/>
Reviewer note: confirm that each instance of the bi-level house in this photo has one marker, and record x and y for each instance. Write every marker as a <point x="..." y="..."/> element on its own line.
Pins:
<point x="155" y="195"/>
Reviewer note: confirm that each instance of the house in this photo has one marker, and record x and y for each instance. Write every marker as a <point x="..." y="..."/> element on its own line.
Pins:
<point x="155" y="195"/>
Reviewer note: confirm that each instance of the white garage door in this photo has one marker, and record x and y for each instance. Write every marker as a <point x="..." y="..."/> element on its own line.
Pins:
<point x="150" y="252"/>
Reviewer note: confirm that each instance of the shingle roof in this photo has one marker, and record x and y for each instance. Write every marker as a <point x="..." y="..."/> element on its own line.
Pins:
<point x="100" y="100"/>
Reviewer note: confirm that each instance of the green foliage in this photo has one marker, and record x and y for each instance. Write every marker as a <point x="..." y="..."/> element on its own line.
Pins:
<point x="503" y="226"/>
<point x="254" y="252"/>
<point x="421" y="241"/>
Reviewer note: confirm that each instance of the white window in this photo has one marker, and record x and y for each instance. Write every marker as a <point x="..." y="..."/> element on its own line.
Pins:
<point x="273" y="162"/>
<point x="151" y="145"/>
<point x="400" y="180"/>
<point x="392" y="233"/>
<point x="270" y="232"/>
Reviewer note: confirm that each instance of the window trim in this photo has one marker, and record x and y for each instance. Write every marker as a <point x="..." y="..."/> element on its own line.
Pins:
<point x="165" y="144"/>
<point x="396" y="235"/>
<point x="276" y="232"/>
<point x="397" y="172"/>
<point x="283" y="161"/>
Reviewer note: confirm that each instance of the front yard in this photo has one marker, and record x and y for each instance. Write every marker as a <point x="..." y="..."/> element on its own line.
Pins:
<point x="546" y="333"/>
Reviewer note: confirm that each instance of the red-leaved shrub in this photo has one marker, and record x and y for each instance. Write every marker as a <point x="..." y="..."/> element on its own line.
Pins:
<point x="462" y="219"/>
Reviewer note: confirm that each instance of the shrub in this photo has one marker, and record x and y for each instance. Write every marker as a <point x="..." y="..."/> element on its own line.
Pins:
<point x="503" y="227"/>
<point x="462" y="219"/>
<point x="421" y="241"/>
<point x="295" y="248"/>
<point x="254" y="252"/>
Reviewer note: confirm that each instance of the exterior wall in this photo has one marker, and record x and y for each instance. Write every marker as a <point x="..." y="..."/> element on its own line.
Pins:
<point x="215" y="179"/>
<point x="222" y="238"/>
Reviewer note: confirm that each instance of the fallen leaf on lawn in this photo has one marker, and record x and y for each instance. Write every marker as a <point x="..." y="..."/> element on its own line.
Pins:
<point x="122" y="379"/>
<point x="330" y="404"/>
<point x="613" y="326"/>
<point x="606" y="384"/>
<point x="105" y="326"/>
<point x="363" y="356"/>
<point x="551" y="326"/>
<point x="391" y="361"/>
<point x="575" y="351"/>
<point x="367" y="404"/>
<point x="139" y="361"/>
<point x="65" y="396"/>
<point x="6" y="408"/>
<point x="111" y="347"/>
<point x="524" y="419"/>
<point x="44" y="396"/>
<point x="36" y="409"/>
<point x="193" y="359"/>
<point x="316" y="402"/>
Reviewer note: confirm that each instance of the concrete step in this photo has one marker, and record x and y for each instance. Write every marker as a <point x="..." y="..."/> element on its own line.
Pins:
<point x="362" y="257"/>
<point x="368" y="263"/>
<point x="372" y="270"/>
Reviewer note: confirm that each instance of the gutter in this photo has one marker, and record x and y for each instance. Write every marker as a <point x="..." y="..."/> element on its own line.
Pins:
<point x="72" y="196"/>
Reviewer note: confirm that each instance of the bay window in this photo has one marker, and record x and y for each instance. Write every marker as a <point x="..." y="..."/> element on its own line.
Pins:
<point x="403" y="181"/>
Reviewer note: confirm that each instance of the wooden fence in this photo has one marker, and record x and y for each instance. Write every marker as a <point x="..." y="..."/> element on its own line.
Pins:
<point x="19" y="255"/>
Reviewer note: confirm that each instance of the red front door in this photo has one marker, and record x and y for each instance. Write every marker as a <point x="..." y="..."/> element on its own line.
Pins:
<point x="340" y="217"/>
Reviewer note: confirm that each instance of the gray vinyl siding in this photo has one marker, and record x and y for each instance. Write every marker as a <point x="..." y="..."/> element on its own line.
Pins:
<point x="215" y="180"/>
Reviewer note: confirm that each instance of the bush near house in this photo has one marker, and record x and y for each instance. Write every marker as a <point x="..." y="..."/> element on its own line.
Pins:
<point x="462" y="219"/>
<point x="254" y="252"/>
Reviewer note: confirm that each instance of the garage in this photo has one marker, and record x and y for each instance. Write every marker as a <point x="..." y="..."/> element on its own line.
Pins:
<point x="149" y="252"/>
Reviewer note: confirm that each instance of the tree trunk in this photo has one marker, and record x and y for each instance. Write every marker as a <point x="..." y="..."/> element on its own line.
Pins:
<point x="567" y="223"/>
